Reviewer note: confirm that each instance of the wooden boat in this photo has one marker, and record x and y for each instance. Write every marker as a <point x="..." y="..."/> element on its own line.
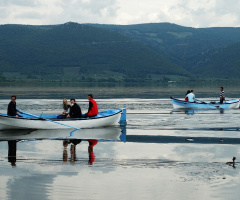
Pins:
<point x="29" y="121"/>
<point x="231" y="104"/>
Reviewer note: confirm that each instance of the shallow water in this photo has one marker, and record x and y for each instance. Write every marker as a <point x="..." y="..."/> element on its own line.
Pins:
<point x="161" y="153"/>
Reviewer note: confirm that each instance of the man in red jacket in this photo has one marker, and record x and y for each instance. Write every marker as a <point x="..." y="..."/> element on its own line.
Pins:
<point x="93" y="109"/>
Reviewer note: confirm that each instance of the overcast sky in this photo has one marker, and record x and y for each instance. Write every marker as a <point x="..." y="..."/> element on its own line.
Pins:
<point x="193" y="13"/>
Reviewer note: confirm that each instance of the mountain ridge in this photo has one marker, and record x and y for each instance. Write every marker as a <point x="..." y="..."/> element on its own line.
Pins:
<point x="100" y="52"/>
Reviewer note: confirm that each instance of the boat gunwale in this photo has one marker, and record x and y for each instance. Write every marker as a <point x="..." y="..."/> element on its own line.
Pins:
<point x="64" y="120"/>
<point x="205" y="102"/>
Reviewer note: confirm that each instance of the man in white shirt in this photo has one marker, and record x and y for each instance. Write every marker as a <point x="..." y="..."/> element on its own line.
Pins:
<point x="191" y="97"/>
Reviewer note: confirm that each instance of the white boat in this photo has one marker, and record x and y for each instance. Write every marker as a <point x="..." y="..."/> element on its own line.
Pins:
<point x="231" y="104"/>
<point x="29" y="121"/>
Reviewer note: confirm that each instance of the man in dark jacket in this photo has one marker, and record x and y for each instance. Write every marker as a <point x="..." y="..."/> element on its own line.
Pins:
<point x="75" y="110"/>
<point x="12" y="110"/>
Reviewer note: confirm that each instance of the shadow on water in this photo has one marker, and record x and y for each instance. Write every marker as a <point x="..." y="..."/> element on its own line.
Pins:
<point x="181" y="139"/>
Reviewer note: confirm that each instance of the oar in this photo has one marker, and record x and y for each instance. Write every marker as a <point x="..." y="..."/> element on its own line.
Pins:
<point x="35" y="116"/>
<point x="200" y="101"/>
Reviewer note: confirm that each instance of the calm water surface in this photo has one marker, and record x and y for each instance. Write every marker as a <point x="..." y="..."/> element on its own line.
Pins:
<point x="161" y="153"/>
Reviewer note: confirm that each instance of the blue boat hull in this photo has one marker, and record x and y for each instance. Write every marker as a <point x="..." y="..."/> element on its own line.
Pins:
<point x="232" y="104"/>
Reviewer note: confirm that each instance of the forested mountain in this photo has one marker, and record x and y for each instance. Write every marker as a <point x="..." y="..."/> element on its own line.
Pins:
<point x="79" y="52"/>
<point x="223" y="63"/>
<point x="94" y="52"/>
<point x="188" y="47"/>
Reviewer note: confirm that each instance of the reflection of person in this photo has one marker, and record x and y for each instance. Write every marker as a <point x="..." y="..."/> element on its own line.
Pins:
<point x="75" y="110"/>
<point x="93" y="108"/>
<point x="12" y="110"/>
<point x="73" y="149"/>
<point x="92" y="157"/>
<point x="191" y="96"/>
<point x="222" y="95"/>
<point x="186" y="98"/>
<point x="65" y="154"/>
<point x="12" y="151"/>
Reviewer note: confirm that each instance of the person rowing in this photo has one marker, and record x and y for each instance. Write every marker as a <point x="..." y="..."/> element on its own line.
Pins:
<point x="222" y="95"/>
<point x="12" y="110"/>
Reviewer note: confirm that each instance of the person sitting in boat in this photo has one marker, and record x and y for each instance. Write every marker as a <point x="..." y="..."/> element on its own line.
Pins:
<point x="93" y="108"/>
<point x="66" y="109"/>
<point x="75" y="110"/>
<point x="186" y="98"/>
<point x="12" y="107"/>
<point x="222" y="95"/>
<point x="191" y="96"/>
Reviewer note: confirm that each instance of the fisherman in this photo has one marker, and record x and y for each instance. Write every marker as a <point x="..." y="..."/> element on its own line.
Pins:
<point x="93" y="108"/>
<point x="191" y="96"/>
<point x="12" y="110"/>
<point x="75" y="110"/>
<point x="222" y="95"/>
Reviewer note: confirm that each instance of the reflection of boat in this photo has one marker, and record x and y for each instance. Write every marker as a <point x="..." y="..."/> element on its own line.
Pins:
<point x="231" y="104"/>
<point x="28" y="121"/>
<point x="106" y="134"/>
<point x="186" y="111"/>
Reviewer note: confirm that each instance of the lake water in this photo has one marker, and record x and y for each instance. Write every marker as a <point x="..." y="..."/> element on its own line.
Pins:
<point x="162" y="153"/>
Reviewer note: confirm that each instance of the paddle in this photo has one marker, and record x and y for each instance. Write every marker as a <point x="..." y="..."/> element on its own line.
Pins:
<point x="35" y="116"/>
<point x="200" y="101"/>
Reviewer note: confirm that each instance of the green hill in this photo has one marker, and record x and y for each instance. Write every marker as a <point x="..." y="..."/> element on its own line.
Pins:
<point x="95" y="52"/>
<point x="185" y="46"/>
<point x="223" y="63"/>
<point x="78" y="52"/>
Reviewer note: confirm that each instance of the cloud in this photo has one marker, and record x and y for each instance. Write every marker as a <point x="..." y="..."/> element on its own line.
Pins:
<point x="201" y="13"/>
<point x="206" y="13"/>
<point x="19" y="3"/>
<point x="89" y="11"/>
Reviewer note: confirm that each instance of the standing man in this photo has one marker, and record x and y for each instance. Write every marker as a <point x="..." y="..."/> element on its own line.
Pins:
<point x="75" y="110"/>
<point x="191" y="96"/>
<point x="222" y="95"/>
<point x="12" y="110"/>
<point x="92" y="109"/>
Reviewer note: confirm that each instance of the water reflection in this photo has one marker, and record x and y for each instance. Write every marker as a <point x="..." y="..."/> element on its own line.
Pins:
<point x="189" y="111"/>
<point x="180" y="111"/>
<point x="73" y="149"/>
<point x="91" y="154"/>
<point x="12" y="152"/>
<point x="92" y="136"/>
<point x="73" y="143"/>
<point x="106" y="133"/>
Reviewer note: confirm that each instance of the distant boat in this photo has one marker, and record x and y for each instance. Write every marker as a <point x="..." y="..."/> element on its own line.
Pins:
<point x="29" y="121"/>
<point x="231" y="104"/>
